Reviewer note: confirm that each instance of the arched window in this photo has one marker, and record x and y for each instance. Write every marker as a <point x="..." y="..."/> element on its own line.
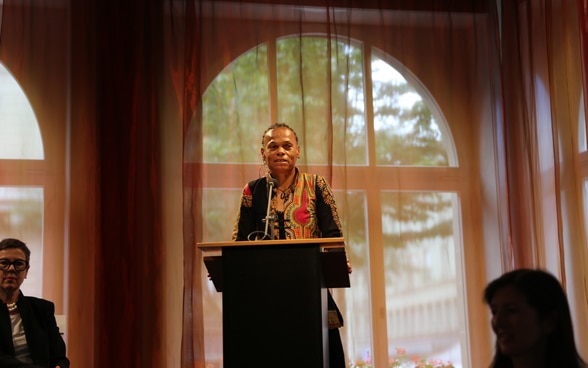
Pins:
<point x="400" y="201"/>
<point x="21" y="194"/>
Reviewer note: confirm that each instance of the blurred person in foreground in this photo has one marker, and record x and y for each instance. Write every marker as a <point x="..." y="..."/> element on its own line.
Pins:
<point x="302" y="205"/>
<point x="532" y="322"/>
<point x="29" y="336"/>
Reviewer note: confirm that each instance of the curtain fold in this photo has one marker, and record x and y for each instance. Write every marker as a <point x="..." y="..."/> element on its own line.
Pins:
<point x="1" y="16"/>
<point x="83" y="211"/>
<point x="191" y="92"/>
<point x="131" y="247"/>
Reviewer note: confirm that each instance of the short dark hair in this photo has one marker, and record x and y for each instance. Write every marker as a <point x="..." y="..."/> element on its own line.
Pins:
<point x="11" y="243"/>
<point x="545" y="294"/>
<point x="276" y="126"/>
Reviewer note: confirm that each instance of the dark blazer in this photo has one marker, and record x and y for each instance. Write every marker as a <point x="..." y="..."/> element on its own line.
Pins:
<point x="45" y="343"/>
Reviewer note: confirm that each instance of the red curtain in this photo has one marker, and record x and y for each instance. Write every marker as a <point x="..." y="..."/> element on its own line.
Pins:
<point x="90" y="70"/>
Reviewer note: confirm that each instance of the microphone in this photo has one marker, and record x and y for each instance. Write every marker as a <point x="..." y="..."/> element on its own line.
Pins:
<point x="271" y="184"/>
<point x="270" y="190"/>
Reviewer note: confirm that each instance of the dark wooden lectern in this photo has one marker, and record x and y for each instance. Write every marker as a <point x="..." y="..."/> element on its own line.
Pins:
<point x="275" y="299"/>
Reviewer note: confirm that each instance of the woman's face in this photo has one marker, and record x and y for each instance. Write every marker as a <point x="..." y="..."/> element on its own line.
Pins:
<point x="519" y="329"/>
<point x="11" y="279"/>
<point x="280" y="150"/>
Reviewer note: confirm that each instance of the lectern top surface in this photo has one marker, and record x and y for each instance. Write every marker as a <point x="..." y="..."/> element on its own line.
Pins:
<point x="324" y="243"/>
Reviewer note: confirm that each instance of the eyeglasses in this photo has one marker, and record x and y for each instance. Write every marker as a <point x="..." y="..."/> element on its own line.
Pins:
<point x="19" y="264"/>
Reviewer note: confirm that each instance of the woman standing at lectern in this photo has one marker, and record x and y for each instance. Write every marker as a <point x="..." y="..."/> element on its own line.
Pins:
<point x="302" y="205"/>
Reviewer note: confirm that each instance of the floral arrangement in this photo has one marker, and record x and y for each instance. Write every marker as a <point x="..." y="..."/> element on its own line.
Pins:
<point x="403" y="360"/>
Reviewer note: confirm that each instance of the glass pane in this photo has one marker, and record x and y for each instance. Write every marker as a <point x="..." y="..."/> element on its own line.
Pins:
<point x="237" y="101"/>
<point x="406" y="130"/>
<point x="236" y="110"/>
<point x="354" y="302"/>
<point x="422" y="288"/>
<point x="20" y="137"/>
<point x="219" y="207"/>
<point x="348" y="104"/>
<point x="21" y="211"/>
<point x="303" y="95"/>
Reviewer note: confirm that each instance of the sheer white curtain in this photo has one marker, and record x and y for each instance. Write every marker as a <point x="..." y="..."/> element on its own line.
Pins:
<point x="385" y="102"/>
<point x="543" y="94"/>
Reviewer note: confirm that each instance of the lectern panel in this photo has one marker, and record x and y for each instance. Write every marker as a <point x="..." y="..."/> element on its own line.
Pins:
<point x="274" y="307"/>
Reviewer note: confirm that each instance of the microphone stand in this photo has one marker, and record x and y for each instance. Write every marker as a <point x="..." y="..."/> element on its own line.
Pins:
<point x="269" y="218"/>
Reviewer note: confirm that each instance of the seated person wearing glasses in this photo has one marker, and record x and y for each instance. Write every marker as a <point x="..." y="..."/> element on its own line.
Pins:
<point x="29" y="336"/>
